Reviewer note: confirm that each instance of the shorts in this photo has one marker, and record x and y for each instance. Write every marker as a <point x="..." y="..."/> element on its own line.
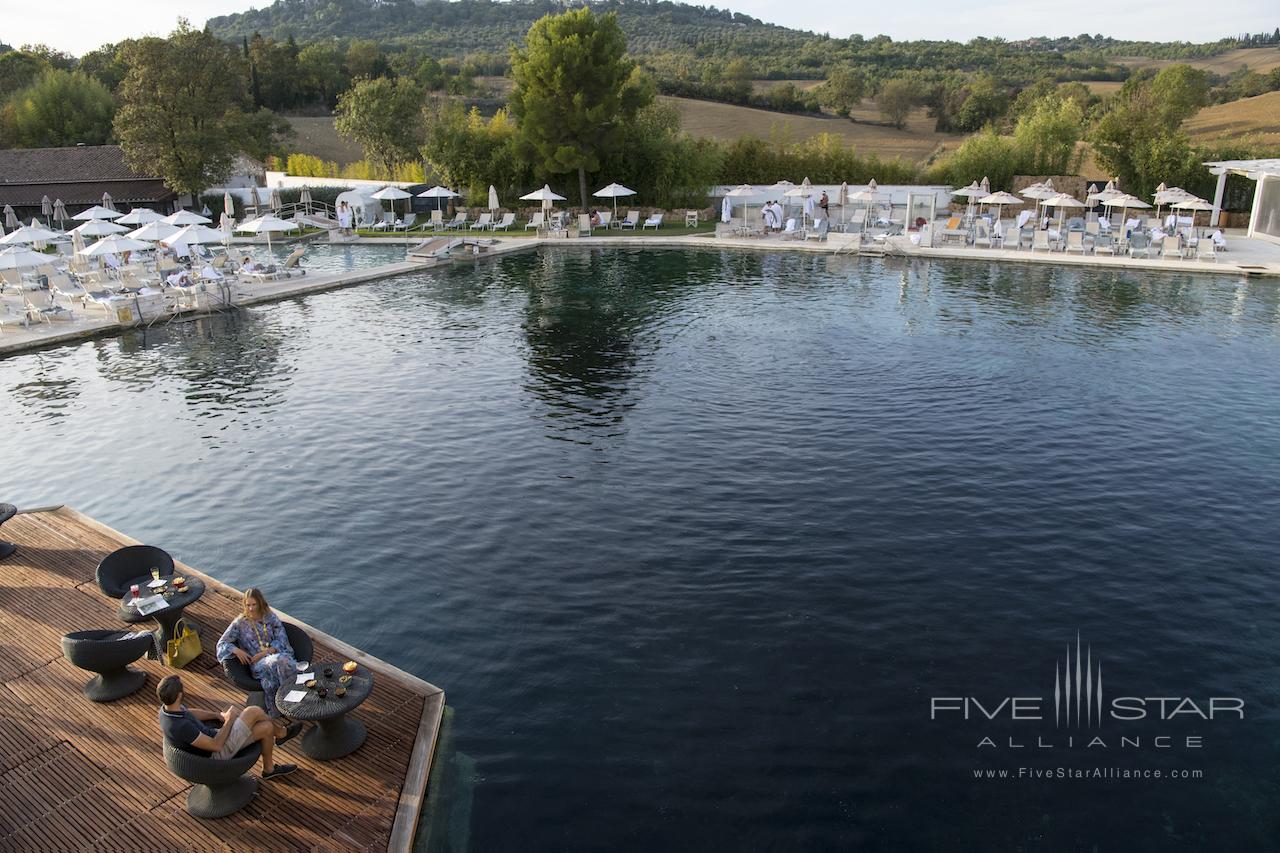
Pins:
<point x="239" y="738"/>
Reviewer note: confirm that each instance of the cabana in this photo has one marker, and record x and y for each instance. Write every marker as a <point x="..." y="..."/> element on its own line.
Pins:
<point x="1264" y="218"/>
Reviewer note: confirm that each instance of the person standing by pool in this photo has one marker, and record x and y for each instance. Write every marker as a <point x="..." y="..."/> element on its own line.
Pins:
<point x="344" y="218"/>
<point x="824" y="203"/>
<point x="257" y="639"/>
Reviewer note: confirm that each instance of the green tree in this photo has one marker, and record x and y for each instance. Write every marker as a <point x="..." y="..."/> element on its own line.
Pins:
<point x="897" y="98"/>
<point x="17" y="69"/>
<point x="104" y="65"/>
<point x="985" y="154"/>
<point x="323" y="77"/>
<point x="179" y="102"/>
<point x="364" y="59"/>
<point x="576" y="92"/>
<point x="60" y="108"/>
<point x="845" y="88"/>
<point x="384" y="115"/>
<point x="1047" y="134"/>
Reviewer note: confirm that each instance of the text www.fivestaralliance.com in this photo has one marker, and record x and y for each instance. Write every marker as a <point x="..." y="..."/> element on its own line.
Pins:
<point x="1084" y="774"/>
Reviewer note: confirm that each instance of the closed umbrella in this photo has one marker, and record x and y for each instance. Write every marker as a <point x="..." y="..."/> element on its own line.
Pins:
<point x="493" y="198"/>
<point x="99" y="228"/>
<point x="107" y="202"/>
<point x="140" y="216"/>
<point x="97" y="212"/>
<point x="255" y="200"/>
<point x="115" y="245"/>
<point x="77" y="241"/>
<point x="229" y="204"/>
<point x="154" y="232"/>
<point x="224" y="225"/>
<point x="985" y="184"/>
<point x="842" y="198"/>
<point x="46" y="209"/>
<point x="391" y="194"/>
<point x="276" y="203"/>
<point x="186" y="217"/>
<point x="267" y="224"/>
<point x="304" y="198"/>
<point x="10" y="217"/>
<point x="59" y="212"/>
<point x="614" y="191"/>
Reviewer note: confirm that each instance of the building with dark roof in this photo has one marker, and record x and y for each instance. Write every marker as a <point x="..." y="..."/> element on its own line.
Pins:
<point x="79" y="176"/>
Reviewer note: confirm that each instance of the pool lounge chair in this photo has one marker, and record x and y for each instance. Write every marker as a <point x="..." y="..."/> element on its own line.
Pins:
<point x="459" y="220"/>
<point x="1171" y="247"/>
<point x="982" y="234"/>
<point x="605" y="216"/>
<point x="1040" y="240"/>
<point x="654" y="222"/>
<point x="406" y="224"/>
<point x="483" y="222"/>
<point x="953" y="230"/>
<point x="437" y="219"/>
<point x="508" y="219"/>
<point x="1075" y="242"/>
<point x="791" y="232"/>
<point x="1139" y="244"/>
<point x="41" y="306"/>
<point x="584" y="225"/>
<point x="1207" y="250"/>
<point x="538" y="220"/>
<point x="819" y="230"/>
<point x="632" y="220"/>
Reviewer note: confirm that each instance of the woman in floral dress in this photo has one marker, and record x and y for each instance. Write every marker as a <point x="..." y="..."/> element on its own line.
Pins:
<point x="257" y="639"/>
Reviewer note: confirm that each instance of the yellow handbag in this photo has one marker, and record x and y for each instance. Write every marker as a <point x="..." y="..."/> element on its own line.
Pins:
<point x="184" y="647"/>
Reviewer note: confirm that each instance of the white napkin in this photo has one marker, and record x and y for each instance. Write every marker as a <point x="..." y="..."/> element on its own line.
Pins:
<point x="303" y="677"/>
<point x="295" y="696"/>
<point x="157" y="583"/>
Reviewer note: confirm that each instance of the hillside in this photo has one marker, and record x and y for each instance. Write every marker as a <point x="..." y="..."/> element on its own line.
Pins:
<point x="1258" y="118"/>
<point x="1260" y="59"/>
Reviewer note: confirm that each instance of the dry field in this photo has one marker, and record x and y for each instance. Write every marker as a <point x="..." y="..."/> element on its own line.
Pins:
<point x="1261" y="59"/>
<point x="760" y="86"/>
<point x="1103" y="87"/>
<point x="316" y="136"/>
<point x="727" y="122"/>
<point x="1257" y="118"/>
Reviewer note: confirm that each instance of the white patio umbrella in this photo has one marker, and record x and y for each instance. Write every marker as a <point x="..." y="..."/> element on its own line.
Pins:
<point x="195" y="234"/>
<point x="97" y="212"/>
<point x="842" y="198"/>
<point x="1001" y="199"/>
<point x="46" y="209"/>
<point x="186" y="217"/>
<point x="614" y="191"/>
<point x="224" y="225"/>
<point x="107" y="202"/>
<point x="985" y="184"/>
<point x="1194" y="205"/>
<point x="59" y="211"/>
<point x="267" y="224"/>
<point x="867" y="198"/>
<point x="229" y="205"/>
<point x="544" y="195"/>
<point x="493" y="198"/>
<point x="744" y="192"/>
<point x="1062" y="203"/>
<point x="10" y="217"/>
<point x="115" y="245"/>
<point x="99" y="228"/>
<point x="20" y="257"/>
<point x="969" y="193"/>
<point x="438" y="192"/>
<point x="1168" y="195"/>
<point x="154" y="232"/>
<point x="27" y="234"/>
<point x="139" y="216"/>
<point x="387" y="194"/>
<point x="1125" y="202"/>
<point x="804" y="191"/>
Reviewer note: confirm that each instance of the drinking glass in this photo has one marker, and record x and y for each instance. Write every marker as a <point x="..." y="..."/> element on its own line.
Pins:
<point x="155" y="573"/>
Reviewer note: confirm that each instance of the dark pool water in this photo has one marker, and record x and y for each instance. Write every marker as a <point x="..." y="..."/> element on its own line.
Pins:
<point x="693" y="539"/>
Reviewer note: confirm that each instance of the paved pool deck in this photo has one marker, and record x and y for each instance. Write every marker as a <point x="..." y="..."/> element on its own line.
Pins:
<point x="1246" y="258"/>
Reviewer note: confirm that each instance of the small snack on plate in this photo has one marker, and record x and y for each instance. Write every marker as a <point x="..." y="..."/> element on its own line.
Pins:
<point x="311" y="683"/>
<point x="349" y="666"/>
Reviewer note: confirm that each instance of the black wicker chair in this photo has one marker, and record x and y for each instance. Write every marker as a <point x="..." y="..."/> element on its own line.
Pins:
<point x="220" y="784"/>
<point x="120" y="567"/>
<point x="109" y="654"/>
<point x="7" y="511"/>
<point x="242" y="677"/>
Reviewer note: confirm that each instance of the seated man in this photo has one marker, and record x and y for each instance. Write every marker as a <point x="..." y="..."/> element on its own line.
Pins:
<point x="208" y="273"/>
<point x="189" y="730"/>
<point x="595" y="219"/>
<point x="180" y="278"/>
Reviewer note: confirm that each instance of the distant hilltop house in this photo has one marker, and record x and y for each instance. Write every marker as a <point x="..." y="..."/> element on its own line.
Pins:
<point x="79" y="176"/>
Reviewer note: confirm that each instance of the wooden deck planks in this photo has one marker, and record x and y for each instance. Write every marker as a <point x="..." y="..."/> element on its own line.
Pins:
<point x="76" y="774"/>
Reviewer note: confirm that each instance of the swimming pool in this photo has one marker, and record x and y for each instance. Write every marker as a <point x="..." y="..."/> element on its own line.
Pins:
<point x="692" y="539"/>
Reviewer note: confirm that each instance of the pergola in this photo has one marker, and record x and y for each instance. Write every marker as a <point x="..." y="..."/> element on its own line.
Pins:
<point x="1264" y="219"/>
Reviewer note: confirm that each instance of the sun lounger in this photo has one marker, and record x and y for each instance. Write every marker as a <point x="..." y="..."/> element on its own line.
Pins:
<point x="508" y="219"/>
<point x="605" y="216"/>
<point x="982" y="234"/>
<point x="1171" y="247"/>
<point x="1207" y="250"/>
<point x="819" y="231"/>
<point x="1075" y="242"/>
<point x="654" y="222"/>
<point x="953" y="230"/>
<point x="406" y="224"/>
<point x="459" y="220"/>
<point x="41" y="306"/>
<point x="632" y="220"/>
<point x="584" y="225"/>
<point x="483" y="222"/>
<point x="791" y="232"/>
<point x="538" y="220"/>
<point x="1139" y="244"/>
<point x="437" y="219"/>
<point x="1040" y="240"/>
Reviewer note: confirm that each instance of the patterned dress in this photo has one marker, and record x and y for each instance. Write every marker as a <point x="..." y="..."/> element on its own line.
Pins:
<point x="251" y="636"/>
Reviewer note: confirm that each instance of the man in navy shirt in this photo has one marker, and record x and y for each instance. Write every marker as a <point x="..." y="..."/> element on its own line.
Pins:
<point x="190" y="730"/>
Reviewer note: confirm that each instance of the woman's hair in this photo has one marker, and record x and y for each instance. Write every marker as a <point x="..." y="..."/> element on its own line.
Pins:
<point x="255" y="594"/>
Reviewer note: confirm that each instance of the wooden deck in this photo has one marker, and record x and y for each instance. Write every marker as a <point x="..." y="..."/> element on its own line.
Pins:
<point x="78" y="775"/>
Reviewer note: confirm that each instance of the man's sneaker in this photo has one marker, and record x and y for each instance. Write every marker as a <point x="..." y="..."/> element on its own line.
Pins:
<point x="290" y="732"/>
<point x="280" y="770"/>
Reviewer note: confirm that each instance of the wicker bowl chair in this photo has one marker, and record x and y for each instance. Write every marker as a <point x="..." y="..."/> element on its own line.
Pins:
<point x="220" y="786"/>
<point x="120" y="567"/>
<point x="108" y="653"/>
<point x="241" y="676"/>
